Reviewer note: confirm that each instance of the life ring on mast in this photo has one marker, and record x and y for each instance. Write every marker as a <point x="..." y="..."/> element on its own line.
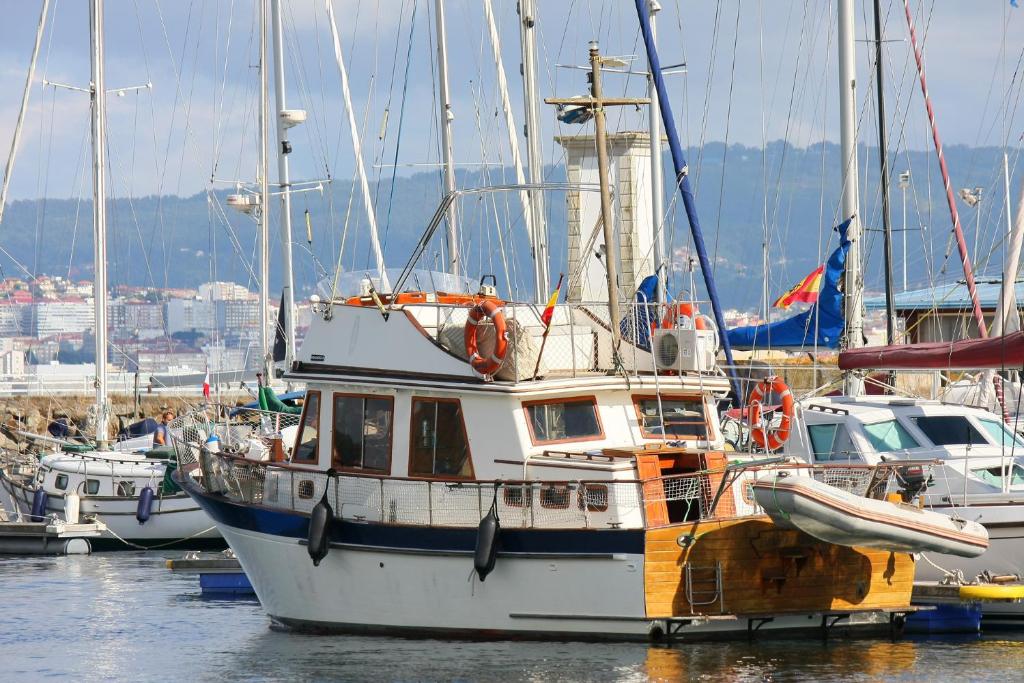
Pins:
<point x="491" y="364"/>
<point x="767" y="437"/>
<point x="683" y="310"/>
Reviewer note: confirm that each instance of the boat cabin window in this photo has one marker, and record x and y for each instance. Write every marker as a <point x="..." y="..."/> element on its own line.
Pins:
<point x="92" y="487"/>
<point x="1001" y="435"/>
<point x="683" y="417"/>
<point x="573" y="419"/>
<point x="948" y="430"/>
<point x="61" y="482"/>
<point x="832" y="442"/>
<point x="889" y="436"/>
<point x="362" y="432"/>
<point x="309" y="429"/>
<point x="438" y="443"/>
<point x="994" y="475"/>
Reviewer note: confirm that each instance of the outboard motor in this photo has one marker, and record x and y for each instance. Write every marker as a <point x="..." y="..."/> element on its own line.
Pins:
<point x="145" y="504"/>
<point x="913" y="481"/>
<point x="320" y="530"/>
<point x="39" y="500"/>
<point x="486" y="552"/>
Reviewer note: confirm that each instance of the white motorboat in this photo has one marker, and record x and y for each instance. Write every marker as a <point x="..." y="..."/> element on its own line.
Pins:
<point x="837" y="516"/>
<point x="129" y="492"/>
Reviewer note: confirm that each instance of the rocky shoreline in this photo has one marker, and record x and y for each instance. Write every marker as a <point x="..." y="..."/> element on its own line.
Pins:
<point x="34" y="413"/>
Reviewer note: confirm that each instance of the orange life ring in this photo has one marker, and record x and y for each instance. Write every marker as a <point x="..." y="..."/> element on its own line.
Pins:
<point x="684" y="310"/>
<point x="770" y="438"/>
<point x="490" y="365"/>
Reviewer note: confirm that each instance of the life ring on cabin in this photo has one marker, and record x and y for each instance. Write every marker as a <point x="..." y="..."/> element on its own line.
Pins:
<point x="767" y="437"/>
<point x="491" y="364"/>
<point x="683" y="310"/>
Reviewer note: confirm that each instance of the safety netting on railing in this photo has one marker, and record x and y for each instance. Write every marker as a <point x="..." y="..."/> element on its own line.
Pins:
<point x="254" y="434"/>
<point x="577" y="342"/>
<point x="246" y="463"/>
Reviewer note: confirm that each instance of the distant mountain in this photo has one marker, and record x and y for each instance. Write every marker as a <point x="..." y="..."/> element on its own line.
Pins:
<point x="182" y="241"/>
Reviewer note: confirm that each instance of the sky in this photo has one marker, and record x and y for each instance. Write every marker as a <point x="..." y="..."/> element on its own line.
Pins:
<point x="756" y="71"/>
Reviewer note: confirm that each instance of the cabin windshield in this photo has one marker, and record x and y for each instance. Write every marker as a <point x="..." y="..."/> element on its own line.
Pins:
<point x="888" y="436"/>
<point x="1001" y="435"/>
<point x="832" y="442"/>
<point x="949" y="430"/>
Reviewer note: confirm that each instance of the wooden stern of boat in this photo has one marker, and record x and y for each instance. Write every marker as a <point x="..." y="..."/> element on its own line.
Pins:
<point x="749" y="565"/>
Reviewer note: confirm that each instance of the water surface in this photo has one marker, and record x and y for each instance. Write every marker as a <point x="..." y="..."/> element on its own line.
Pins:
<point x="124" y="616"/>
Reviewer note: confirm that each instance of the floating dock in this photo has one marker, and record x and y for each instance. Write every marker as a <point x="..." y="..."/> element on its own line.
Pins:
<point x="48" y="538"/>
<point x="219" y="574"/>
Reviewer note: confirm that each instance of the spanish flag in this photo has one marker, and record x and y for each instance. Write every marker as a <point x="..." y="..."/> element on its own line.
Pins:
<point x="805" y="291"/>
<point x="549" y="310"/>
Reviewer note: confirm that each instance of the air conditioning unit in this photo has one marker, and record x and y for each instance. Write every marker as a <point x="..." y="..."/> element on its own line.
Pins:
<point x="685" y="350"/>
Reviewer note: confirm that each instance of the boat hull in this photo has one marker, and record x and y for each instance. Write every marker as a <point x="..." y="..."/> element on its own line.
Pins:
<point x="586" y="584"/>
<point x="175" y="521"/>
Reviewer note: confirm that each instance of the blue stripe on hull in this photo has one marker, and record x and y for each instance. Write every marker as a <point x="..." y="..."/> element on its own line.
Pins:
<point x="295" y="525"/>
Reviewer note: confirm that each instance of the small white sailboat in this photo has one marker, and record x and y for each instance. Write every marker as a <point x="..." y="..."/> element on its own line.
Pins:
<point x="837" y="516"/>
<point x="124" y="488"/>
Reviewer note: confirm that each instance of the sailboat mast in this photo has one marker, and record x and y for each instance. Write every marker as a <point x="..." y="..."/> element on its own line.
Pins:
<point x="534" y="160"/>
<point x="24" y="108"/>
<point x="657" y="172"/>
<point x="447" y="154"/>
<point x="99" y="213"/>
<point x="284" y="148"/>
<point x="854" y="282"/>
<point x="510" y="124"/>
<point x="883" y="159"/>
<point x="607" y="221"/>
<point x="266" y="359"/>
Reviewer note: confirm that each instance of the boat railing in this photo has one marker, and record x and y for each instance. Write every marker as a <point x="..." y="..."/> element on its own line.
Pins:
<point x="239" y="466"/>
<point x="577" y="343"/>
<point x="421" y="502"/>
<point x="710" y="494"/>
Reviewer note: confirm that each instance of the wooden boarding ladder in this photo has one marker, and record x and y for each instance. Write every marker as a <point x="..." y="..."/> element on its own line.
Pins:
<point x="704" y="586"/>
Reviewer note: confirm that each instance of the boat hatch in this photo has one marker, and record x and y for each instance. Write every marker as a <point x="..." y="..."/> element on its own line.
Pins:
<point x="679" y="498"/>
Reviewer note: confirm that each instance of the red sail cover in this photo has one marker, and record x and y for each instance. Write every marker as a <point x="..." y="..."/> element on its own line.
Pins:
<point x="969" y="354"/>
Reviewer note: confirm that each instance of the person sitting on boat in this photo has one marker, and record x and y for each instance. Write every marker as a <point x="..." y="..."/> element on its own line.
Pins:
<point x="60" y="428"/>
<point x="162" y="435"/>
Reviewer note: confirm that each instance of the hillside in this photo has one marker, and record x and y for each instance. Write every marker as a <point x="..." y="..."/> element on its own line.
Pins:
<point x="181" y="241"/>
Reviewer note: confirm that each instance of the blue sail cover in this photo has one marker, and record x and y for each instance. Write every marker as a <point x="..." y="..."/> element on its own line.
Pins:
<point x="799" y="331"/>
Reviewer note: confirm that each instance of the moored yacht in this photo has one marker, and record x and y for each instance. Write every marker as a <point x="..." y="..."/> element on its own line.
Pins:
<point x="616" y="512"/>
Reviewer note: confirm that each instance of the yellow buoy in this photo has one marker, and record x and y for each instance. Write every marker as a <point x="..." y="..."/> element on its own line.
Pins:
<point x="992" y="592"/>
